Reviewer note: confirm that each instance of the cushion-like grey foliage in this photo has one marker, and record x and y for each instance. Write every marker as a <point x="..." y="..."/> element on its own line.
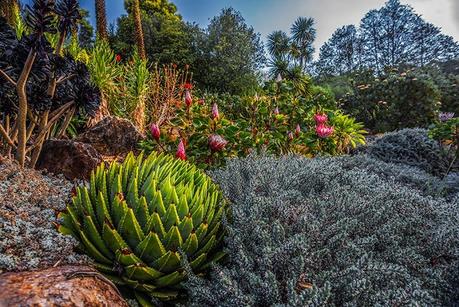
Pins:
<point x="411" y="147"/>
<point x="310" y="232"/>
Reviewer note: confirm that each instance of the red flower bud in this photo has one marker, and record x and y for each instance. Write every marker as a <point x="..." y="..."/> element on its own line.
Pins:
<point x="155" y="131"/>
<point x="118" y="58"/>
<point x="297" y="130"/>
<point x="217" y="142"/>
<point x="188" y="98"/>
<point x="290" y="135"/>
<point x="180" y="154"/>
<point x="215" y="114"/>
<point x="188" y="86"/>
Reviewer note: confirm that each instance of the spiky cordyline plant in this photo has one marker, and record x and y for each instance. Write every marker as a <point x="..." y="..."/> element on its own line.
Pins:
<point x="136" y="218"/>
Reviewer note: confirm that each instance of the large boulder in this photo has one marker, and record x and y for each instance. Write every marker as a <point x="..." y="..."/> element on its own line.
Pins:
<point x="59" y="286"/>
<point x="75" y="160"/>
<point x="112" y="136"/>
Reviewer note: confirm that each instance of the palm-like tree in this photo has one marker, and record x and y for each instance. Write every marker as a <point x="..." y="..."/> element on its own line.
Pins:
<point x="303" y="36"/>
<point x="101" y="19"/>
<point x="138" y="29"/>
<point x="278" y="44"/>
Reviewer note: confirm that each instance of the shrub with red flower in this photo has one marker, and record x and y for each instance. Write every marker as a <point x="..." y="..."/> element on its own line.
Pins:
<point x="320" y="119"/>
<point x="217" y="143"/>
<point x="324" y="131"/>
<point x="181" y="154"/>
<point x="155" y="131"/>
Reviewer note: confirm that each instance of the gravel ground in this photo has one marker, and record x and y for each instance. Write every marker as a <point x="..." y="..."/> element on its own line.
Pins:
<point x="29" y="203"/>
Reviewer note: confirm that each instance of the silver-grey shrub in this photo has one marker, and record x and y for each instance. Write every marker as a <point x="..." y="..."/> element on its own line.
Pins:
<point x="310" y="232"/>
<point x="410" y="147"/>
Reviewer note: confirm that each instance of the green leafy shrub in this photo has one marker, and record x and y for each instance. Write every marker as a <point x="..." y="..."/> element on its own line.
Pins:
<point x="318" y="232"/>
<point x="446" y="132"/>
<point x="410" y="147"/>
<point x="392" y="101"/>
<point x="279" y="120"/>
<point x="136" y="217"/>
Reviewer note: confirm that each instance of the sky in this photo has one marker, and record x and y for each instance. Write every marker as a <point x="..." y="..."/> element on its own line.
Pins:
<point x="269" y="15"/>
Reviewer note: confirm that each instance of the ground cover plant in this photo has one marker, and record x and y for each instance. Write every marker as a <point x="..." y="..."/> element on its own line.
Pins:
<point x="311" y="232"/>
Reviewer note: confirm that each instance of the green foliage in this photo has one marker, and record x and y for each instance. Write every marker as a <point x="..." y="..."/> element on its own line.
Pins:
<point x="395" y="100"/>
<point x="103" y="67"/>
<point x="347" y="231"/>
<point x="447" y="134"/>
<point x="410" y="147"/>
<point x="231" y="54"/>
<point x="136" y="218"/>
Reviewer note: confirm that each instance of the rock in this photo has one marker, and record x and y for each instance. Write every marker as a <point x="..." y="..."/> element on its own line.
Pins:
<point x="60" y="286"/>
<point x="112" y="136"/>
<point x="75" y="160"/>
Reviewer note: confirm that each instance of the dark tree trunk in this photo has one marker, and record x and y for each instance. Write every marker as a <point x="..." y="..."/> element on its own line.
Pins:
<point x="101" y="20"/>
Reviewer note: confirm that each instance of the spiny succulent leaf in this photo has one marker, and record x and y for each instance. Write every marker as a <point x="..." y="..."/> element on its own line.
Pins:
<point x="151" y="248"/>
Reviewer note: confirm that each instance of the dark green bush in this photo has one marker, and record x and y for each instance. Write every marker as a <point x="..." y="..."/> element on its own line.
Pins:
<point x="310" y="232"/>
<point x="411" y="147"/>
<point x="393" y="101"/>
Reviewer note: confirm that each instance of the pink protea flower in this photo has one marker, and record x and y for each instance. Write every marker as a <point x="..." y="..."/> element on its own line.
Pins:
<point x="155" y="131"/>
<point x="180" y="154"/>
<point x="324" y="131"/>
<point x="276" y="111"/>
<point x="215" y="114"/>
<point x="297" y="130"/>
<point x="320" y="119"/>
<point x="217" y="142"/>
<point x="188" y="98"/>
<point x="290" y="135"/>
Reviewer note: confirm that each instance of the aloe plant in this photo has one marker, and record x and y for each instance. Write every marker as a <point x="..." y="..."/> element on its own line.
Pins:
<point x="137" y="220"/>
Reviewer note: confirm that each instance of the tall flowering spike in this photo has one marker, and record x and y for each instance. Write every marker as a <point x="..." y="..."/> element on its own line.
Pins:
<point x="188" y="98"/>
<point x="155" y="131"/>
<point x="215" y="114"/>
<point x="217" y="142"/>
<point x="297" y="130"/>
<point x="276" y="111"/>
<point x="320" y="119"/>
<point x="290" y="135"/>
<point x="324" y="131"/>
<point x="181" y="151"/>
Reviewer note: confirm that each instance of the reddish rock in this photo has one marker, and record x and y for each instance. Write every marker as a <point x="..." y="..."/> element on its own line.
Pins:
<point x="112" y="136"/>
<point x="60" y="286"/>
<point x="70" y="158"/>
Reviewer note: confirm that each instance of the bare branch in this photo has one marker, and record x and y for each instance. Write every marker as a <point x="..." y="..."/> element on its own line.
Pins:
<point x="6" y="137"/>
<point x="8" y="78"/>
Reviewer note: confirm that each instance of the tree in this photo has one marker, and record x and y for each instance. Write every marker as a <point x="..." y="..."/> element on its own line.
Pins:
<point x="342" y="53"/>
<point x="101" y="19"/>
<point x="85" y="30"/>
<point x="232" y="54"/>
<point x="391" y="36"/>
<point x="138" y="29"/>
<point x="303" y="36"/>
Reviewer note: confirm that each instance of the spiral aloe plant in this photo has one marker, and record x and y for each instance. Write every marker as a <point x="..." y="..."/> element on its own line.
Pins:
<point x="138" y="218"/>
